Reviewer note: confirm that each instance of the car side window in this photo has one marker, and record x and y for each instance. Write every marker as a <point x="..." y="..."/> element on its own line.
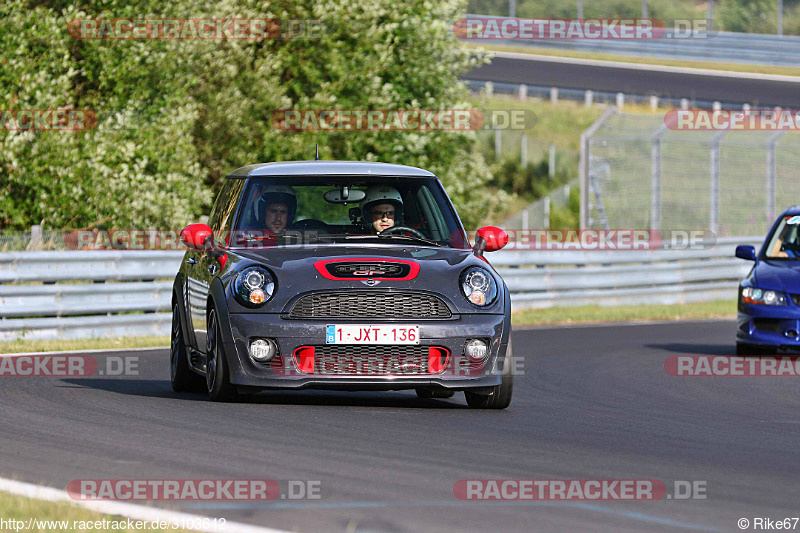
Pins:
<point x="221" y="218"/>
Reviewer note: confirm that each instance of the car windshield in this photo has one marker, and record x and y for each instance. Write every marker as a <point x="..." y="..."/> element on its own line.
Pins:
<point x="785" y="242"/>
<point x="319" y="210"/>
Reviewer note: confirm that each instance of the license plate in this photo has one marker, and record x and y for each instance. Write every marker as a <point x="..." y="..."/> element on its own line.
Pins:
<point x="367" y="334"/>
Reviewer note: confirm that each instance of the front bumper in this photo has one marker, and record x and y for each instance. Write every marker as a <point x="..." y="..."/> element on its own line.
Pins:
<point x="769" y="326"/>
<point x="292" y="334"/>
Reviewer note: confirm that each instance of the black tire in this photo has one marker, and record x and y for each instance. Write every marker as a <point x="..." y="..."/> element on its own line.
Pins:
<point x="218" y="382"/>
<point x="428" y="394"/>
<point x="742" y="348"/>
<point x="500" y="397"/>
<point x="181" y="376"/>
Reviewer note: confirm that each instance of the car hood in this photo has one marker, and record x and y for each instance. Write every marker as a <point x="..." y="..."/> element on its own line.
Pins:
<point x="779" y="275"/>
<point x="297" y="269"/>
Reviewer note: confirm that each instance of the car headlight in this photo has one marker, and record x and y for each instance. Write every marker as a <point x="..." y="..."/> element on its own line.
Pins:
<point x="253" y="286"/>
<point x="753" y="295"/>
<point x="478" y="286"/>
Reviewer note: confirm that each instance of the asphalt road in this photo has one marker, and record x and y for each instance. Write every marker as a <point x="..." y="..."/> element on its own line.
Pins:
<point x="594" y="403"/>
<point x="553" y="72"/>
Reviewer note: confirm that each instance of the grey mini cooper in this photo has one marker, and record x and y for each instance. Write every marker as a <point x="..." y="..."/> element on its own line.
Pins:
<point x="340" y="275"/>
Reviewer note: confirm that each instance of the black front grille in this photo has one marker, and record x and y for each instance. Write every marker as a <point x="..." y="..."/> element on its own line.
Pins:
<point x="795" y="298"/>
<point x="375" y="360"/>
<point x="768" y="324"/>
<point x="369" y="304"/>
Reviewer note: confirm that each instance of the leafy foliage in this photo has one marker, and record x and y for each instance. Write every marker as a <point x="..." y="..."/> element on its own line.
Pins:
<point x="756" y="16"/>
<point x="177" y="115"/>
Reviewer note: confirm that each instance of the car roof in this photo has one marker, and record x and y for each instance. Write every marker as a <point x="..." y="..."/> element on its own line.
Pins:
<point x="328" y="168"/>
<point x="794" y="210"/>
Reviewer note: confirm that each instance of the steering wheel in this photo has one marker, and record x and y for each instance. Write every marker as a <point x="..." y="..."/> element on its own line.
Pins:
<point x="309" y="224"/>
<point x="403" y="229"/>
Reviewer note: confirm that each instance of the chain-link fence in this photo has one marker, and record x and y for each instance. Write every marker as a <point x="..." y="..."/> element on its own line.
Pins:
<point x="553" y="170"/>
<point x="637" y="173"/>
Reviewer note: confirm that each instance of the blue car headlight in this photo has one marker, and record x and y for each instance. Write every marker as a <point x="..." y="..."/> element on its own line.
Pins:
<point x="756" y="296"/>
<point x="478" y="286"/>
<point x="253" y="286"/>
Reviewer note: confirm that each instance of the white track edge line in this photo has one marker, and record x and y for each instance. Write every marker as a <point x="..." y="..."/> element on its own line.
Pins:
<point x="128" y="510"/>
<point x="644" y="66"/>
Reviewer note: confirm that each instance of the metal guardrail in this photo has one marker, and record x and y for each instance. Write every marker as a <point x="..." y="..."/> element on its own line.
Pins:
<point x="68" y="295"/>
<point x="606" y="278"/>
<point x="77" y="294"/>
<point x="724" y="46"/>
<point x="600" y="97"/>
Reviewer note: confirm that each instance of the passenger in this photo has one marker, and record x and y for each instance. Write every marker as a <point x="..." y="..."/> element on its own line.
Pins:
<point x="382" y="208"/>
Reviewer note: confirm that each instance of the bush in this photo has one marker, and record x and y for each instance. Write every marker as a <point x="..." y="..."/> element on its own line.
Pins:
<point x="198" y="109"/>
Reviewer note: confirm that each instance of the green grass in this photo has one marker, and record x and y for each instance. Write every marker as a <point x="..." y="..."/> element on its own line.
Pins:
<point x="14" y="507"/>
<point x="561" y="123"/>
<point x="22" y="345"/>
<point x="732" y="67"/>
<point x="595" y="314"/>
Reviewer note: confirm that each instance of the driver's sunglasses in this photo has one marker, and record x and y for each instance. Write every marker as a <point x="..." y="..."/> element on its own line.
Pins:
<point x="381" y="214"/>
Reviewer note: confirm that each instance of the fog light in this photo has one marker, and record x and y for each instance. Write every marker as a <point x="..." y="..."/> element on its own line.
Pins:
<point x="262" y="350"/>
<point x="477" y="349"/>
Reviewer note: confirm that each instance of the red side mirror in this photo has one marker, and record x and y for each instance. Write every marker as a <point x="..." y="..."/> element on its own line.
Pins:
<point x="493" y="239"/>
<point x="195" y="235"/>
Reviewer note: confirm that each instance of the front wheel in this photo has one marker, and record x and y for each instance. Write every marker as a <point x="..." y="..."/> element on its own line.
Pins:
<point x="217" y="373"/>
<point x="181" y="376"/>
<point x="500" y="397"/>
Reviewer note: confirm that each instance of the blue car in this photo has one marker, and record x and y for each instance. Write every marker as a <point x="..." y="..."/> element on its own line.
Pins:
<point x="769" y="297"/>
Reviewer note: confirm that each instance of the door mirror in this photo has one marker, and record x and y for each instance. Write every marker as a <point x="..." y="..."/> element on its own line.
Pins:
<point x="195" y="236"/>
<point x="489" y="239"/>
<point x="745" y="251"/>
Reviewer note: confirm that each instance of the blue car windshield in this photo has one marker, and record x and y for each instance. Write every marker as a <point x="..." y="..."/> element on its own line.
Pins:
<point x="335" y="209"/>
<point x="785" y="241"/>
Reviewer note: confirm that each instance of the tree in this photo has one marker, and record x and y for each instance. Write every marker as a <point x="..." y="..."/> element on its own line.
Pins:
<point x="176" y="116"/>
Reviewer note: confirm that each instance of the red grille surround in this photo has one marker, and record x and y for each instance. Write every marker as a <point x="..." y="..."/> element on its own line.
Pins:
<point x="371" y="360"/>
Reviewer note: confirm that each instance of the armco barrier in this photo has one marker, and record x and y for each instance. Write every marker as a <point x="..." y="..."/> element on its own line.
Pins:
<point x="69" y="295"/>
<point x="563" y="278"/>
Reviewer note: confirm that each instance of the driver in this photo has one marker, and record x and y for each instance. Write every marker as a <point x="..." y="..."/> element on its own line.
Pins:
<point x="382" y="208"/>
<point x="786" y="245"/>
<point x="279" y="205"/>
